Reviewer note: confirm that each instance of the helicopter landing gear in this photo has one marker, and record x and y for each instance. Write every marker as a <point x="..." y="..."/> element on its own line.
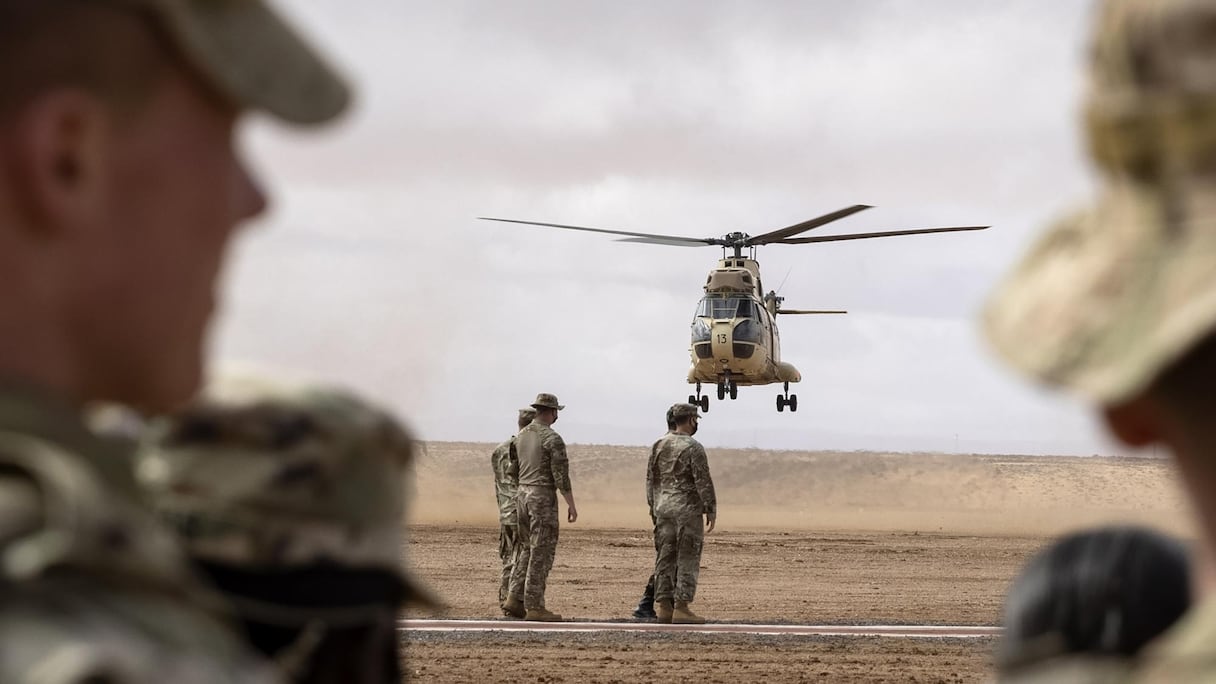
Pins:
<point x="787" y="399"/>
<point x="701" y="401"/>
<point x="727" y="386"/>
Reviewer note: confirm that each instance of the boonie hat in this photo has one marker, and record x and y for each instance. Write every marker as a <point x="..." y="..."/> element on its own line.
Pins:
<point x="1111" y="296"/>
<point x="545" y="400"/>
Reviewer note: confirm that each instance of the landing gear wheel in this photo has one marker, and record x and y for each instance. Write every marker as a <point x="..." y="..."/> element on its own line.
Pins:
<point x="693" y="400"/>
<point x="704" y="404"/>
<point x="721" y="391"/>
<point x="734" y="391"/>
<point x="786" y="399"/>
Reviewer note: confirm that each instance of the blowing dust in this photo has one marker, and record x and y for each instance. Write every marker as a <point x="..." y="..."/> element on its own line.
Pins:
<point x="844" y="491"/>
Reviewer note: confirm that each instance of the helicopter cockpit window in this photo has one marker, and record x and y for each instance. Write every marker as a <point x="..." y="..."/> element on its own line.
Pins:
<point x="727" y="308"/>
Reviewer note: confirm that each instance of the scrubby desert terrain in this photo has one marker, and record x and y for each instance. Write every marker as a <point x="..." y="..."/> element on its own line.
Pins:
<point x="803" y="537"/>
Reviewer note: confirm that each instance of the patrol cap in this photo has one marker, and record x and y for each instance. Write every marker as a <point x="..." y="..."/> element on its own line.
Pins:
<point x="527" y="414"/>
<point x="252" y="56"/>
<point x="683" y="411"/>
<point x="1111" y="295"/>
<point x="545" y="400"/>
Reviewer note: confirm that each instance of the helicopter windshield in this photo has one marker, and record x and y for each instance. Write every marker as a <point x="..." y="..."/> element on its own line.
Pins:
<point x="727" y="308"/>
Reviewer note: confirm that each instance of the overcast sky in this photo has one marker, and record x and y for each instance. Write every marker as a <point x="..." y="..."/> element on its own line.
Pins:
<point x="693" y="118"/>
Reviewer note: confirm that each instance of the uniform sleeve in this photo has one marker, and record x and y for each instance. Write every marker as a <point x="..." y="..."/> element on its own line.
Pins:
<point x="556" y="447"/>
<point x="698" y="464"/>
<point x="652" y="477"/>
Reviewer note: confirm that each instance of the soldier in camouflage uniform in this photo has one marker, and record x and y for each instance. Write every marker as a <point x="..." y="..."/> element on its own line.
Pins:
<point x="544" y="470"/>
<point x="645" y="609"/>
<point x="505" y="464"/>
<point x="119" y="190"/>
<point x="292" y="500"/>
<point x="681" y="495"/>
<point x="1117" y="303"/>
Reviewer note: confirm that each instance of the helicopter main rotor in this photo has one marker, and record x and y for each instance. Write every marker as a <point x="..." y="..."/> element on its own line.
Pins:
<point x="738" y="241"/>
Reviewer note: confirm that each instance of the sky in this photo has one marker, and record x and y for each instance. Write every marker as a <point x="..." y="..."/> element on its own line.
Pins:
<point x="680" y="117"/>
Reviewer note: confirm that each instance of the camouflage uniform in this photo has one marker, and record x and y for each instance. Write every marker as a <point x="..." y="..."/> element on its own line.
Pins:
<point x="506" y="487"/>
<point x="92" y="588"/>
<point x="292" y="500"/>
<point x="1112" y="296"/>
<point x="544" y="470"/>
<point x="680" y="492"/>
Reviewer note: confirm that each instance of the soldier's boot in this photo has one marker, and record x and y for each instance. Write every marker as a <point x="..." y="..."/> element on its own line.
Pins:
<point x="542" y="614"/>
<point x="663" y="611"/>
<point x="513" y="607"/>
<point x="682" y="615"/>
<point x="645" y="609"/>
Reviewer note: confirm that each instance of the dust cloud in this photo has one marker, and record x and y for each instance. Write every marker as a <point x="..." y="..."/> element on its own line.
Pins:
<point x="860" y="491"/>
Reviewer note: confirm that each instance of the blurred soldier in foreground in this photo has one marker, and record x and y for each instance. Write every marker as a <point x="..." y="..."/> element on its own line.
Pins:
<point x="1103" y="593"/>
<point x="1118" y="303"/>
<point x="681" y="497"/>
<point x="544" y="470"/>
<point x="120" y="189"/>
<point x="505" y="463"/>
<point x="291" y="502"/>
<point x="645" y="609"/>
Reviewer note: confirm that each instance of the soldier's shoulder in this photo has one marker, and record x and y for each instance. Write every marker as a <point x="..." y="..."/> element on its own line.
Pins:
<point x="1073" y="669"/>
<point x="1187" y="652"/>
<point x="504" y="448"/>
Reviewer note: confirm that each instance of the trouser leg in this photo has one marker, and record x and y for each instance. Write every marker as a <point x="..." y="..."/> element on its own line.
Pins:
<point x="543" y="533"/>
<point x="507" y="535"/>
<point x="690" y="537"/>
<point x="666" y="555"/>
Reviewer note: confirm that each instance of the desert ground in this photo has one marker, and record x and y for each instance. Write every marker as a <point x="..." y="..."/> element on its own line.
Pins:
<point x="802" y="538"/>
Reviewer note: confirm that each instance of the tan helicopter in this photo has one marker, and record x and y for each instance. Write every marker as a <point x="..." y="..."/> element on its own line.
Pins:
<point x="734" y="330"/>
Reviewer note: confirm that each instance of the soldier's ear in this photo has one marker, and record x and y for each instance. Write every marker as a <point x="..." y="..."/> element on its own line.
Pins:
<point x="60" y="149"/>
<point x="1136" y="423"/>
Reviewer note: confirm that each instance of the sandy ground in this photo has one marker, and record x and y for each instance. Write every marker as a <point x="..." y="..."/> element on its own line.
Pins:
<point x="810" y="537"/>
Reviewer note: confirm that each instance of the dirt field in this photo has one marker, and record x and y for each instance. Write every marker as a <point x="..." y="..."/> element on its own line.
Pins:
<point x="847" y="538"/>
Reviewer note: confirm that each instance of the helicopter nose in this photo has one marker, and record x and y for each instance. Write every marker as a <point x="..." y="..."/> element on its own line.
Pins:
<point x="722" y="337"/>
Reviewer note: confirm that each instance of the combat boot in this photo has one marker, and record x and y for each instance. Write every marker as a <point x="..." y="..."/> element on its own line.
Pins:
<point x="683" y="616"/>
<point x="645" y="609"/>
<point x="513" y="607"/>
<point x="663" y="611"/>
<point x="542" y="614"/>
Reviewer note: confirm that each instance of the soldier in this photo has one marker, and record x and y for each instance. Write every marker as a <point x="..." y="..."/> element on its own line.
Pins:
<point x="1118" y="303"/>
<point x="645" y="609"/>
<point x="505" y="464"/>
<point x="291" y="502"/>
<point x="680" y="492"/>
<point x="119" y="191"/>
<point x="544" y="470"/>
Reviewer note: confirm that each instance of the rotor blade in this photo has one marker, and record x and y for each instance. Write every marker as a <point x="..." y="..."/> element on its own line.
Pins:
<point x="681" y="242"/>
<point x="797" y="228"/>
<point x="865" y="236"/>
<point x="804" y="311"/>
<point x="668" y="239"/>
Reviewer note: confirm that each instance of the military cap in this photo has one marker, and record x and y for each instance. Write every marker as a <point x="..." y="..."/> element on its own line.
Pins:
<point x="681" y="412"/>
<point x="263" y="477"/>
<point x="546" y="400"/>
<point x="527" y="414"/>
<point x="250" y="55"/>
<point x="1112" y="295"/>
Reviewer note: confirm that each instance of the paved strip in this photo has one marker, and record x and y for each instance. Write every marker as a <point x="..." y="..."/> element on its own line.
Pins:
<point x="901" y="631"/>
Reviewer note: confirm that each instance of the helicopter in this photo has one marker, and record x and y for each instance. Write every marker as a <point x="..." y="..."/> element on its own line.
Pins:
<point x="734" y="338"/>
